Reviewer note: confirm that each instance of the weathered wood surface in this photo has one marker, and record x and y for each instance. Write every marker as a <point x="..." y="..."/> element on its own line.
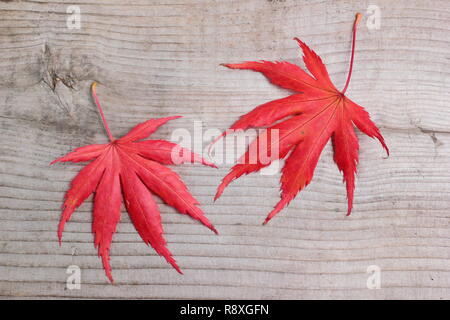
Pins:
<point x="158" y="58"/>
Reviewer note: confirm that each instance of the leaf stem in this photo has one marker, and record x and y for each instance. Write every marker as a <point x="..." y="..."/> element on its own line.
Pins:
<point x="355" y="24"/>
<point x="97" y="102"/>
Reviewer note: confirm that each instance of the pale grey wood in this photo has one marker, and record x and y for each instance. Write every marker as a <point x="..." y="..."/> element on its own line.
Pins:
<point x="159" y="58"/>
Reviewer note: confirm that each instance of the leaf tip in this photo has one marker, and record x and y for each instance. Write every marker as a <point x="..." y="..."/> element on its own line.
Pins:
<point x="218" y="194"/>
<point x="214" y="230"/>
<point x="211" y="145"/>
<point x="60" y="232"/>
<point x="175" y="266"/>
<point x="209" y="163"/>
<point x="383" y="144"/>
<point x="171" y="118"/>
<point x="358" y="18"/>
<point x="57" y="160"/>
<point x="300" y="42"/>
<point x="108" y="273"/>
<point x="349" y="210"/>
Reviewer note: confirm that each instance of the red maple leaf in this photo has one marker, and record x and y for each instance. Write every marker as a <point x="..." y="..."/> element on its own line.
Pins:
<point x="133" y="170"/>
<point x="318" y="112"/>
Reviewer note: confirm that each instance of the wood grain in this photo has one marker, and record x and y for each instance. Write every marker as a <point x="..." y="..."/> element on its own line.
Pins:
<point x="159" y="58"/>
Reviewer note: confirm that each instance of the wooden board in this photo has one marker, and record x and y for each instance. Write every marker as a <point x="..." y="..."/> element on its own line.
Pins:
<point x="162" y="57"/>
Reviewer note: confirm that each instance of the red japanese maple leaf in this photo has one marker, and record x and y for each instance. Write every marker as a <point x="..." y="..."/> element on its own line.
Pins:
<point x="318" y="112"/>
<point x="133" y="170"/>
